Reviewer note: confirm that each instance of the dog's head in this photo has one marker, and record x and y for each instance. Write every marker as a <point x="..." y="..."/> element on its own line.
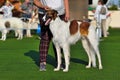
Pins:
<point x="50" y="15"/>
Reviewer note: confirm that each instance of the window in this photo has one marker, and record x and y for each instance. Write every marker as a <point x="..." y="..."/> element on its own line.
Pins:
<point x="90" y="1"/>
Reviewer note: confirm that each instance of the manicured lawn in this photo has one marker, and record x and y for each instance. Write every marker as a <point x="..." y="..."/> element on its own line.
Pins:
<point x="19" y="60"/>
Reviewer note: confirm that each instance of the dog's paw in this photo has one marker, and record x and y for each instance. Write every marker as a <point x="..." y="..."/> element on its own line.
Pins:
<point x="18" y="38"/>
<point x="2" y="39"/>
<point x="94" y="66"/>
<point x="56" y="69"/>
<point x="88" y="66"/>
<point x="100" y="67"/>
<point x="65" y="70"/>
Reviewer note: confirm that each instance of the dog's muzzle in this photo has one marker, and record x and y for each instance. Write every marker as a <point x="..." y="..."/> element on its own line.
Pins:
<point x="46" y="19"/>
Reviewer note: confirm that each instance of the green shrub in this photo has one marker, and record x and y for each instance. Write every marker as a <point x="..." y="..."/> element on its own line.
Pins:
<point x="113" y="7"/>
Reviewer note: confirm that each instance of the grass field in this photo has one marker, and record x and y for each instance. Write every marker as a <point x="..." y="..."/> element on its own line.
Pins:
<point x="19" y="60"/>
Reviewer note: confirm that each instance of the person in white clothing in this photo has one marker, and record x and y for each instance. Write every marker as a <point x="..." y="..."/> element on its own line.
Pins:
<point x="101" y="18"/>
<point x="7" y="9"/>
<point x="62" y="6"/>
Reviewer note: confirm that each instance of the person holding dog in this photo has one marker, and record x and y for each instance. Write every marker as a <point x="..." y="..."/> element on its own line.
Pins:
<point x="62" y="6"/>
<point x="27" y="7"/>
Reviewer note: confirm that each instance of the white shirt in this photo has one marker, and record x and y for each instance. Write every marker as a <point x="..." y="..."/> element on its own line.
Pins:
<point x="99" y="16"/>
<point x="55" y="4"/>
<point x="7" y="11"/>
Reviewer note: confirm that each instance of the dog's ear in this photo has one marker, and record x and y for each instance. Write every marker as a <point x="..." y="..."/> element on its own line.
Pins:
<point x="55" y="14"/>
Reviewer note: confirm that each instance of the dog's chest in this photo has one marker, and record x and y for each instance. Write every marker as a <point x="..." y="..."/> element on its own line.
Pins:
<point x="59" y="29"/>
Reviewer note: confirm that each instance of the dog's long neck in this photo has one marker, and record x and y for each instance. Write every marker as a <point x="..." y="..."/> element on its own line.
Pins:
<point x="57" y="19"/>
<point x="58" y="24"/>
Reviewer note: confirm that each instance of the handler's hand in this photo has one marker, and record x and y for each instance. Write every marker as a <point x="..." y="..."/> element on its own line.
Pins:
<point x="67" y="17"/>
<point x="47" y="8"/>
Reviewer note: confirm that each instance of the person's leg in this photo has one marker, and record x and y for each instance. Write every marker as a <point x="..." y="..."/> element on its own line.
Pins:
<point x="43" y="49"/>
<point x="44" y="44"/>
<point x="104" y="28"/>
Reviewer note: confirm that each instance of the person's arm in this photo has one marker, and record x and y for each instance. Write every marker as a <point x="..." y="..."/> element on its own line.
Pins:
<point x="107" y="12"/>
<point x="39" y="4"/>
<point x="97" y="10"/>
<point x="66" y="4"/>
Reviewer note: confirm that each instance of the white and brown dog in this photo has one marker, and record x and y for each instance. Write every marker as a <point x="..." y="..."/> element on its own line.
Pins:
<point x="67" y="33"/>
<point x="11" y="23"/>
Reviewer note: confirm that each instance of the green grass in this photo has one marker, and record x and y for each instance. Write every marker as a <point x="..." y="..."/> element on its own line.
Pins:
<point x="19" y="60"/>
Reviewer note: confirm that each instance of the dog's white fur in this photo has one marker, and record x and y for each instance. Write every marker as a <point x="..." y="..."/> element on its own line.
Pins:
<point x="15" y="24"/>
<point x="63" y="39"/>
<point x="32" y="23"/>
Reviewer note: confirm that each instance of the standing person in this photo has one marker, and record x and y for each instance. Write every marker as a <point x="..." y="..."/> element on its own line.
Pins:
<point x="62" y="6"/>
<point x="7" y="9"/>
<point x="101" y="13"/>
<point x="27" y="7"/>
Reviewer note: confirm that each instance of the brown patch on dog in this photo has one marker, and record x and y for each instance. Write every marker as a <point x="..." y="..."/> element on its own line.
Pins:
<point x="73" y="27"/>
<point x="7" y="24"/>
<point x="84" y="28"/>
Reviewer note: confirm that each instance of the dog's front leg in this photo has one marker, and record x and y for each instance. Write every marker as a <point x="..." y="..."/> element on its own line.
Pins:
<point x="20" y="34"/>
<point x="58" y="57"/>
<point x="28" y="30"/>
<point x="67" y="57"/>
<point x="28" y="33"/>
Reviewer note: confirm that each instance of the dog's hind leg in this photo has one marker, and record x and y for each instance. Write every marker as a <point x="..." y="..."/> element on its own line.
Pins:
<point x="58" y="57"/>
<point x="98" y="56"/>
<point x="4" y="33"/>
<point x="93" y="57"/>
<point x="66" y="51"/>
<point x="87" y="49"/>
<point x="96" y="50"/>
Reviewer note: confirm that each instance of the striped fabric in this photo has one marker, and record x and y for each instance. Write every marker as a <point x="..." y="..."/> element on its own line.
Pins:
<point x="45" y="40"/>
<point x="44" y="45"/>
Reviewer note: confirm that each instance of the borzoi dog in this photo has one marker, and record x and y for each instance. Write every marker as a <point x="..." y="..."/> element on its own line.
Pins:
<point x="11" y="23"/>
<point x="67" y="33"/>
